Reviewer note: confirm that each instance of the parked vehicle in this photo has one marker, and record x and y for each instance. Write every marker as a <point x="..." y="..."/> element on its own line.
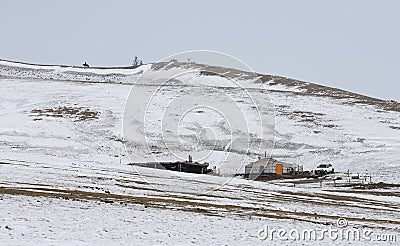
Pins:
<point x="324" y="169"/>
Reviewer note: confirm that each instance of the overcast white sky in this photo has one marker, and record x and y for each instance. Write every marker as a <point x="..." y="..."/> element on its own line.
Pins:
<point x="353" y="45"/>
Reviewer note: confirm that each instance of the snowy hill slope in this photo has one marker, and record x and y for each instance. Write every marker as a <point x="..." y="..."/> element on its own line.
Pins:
<point x="62" y="138"/>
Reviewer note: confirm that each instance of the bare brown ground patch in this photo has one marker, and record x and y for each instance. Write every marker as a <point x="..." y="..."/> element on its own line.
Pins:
<point x="325" y="91"/>
<point x="75" y="113"/>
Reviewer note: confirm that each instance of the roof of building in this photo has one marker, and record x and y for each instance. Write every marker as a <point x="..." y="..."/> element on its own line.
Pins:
<point x="268" y="161"/>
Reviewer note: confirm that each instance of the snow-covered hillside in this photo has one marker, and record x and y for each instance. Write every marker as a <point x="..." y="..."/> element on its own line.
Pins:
<point x="64" y="175"/>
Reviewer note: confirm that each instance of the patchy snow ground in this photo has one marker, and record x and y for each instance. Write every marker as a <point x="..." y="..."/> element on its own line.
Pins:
<point x="64" y="176"/>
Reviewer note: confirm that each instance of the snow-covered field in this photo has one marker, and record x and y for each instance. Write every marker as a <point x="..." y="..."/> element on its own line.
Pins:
<point x="64" y="176"/>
